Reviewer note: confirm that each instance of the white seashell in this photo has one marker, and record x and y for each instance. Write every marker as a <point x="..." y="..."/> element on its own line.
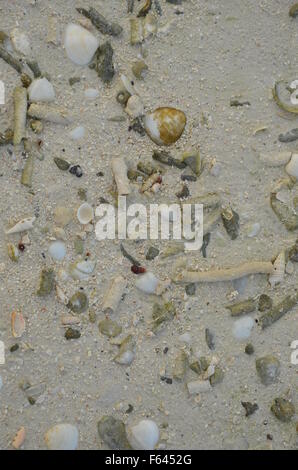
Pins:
<point x="63" y="275"/>
<point x="77" y="133"/>
<point x="292" y="166"/>
<point x="85" y="213"/>
<point x="20" y="42"/>
<point x="18" y="325"/>
<point x="128" y="85"/>
<point x="147" y="283"/>
<point x="279" y="270"/>
<point x="81" y="270"/>
<point x="134" y="107"/>
<point x="80" y="44"/>
<point x="41" y="90"/>
<point x="198" y="386"/>
<point x="57" y="250"/>
<point x="91" y="93"/>
<point x="60" y="295"/>
<point x="62" y="437"/>
<point x="125" y="358"/>
<point x="275" y="158"/>
<point x="22" y="226"/>
<point x="242" y="328"/>
<point x="144" y="435"/>
<point x="289" y="267"/>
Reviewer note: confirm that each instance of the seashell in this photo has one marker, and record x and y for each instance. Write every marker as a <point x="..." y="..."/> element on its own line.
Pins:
<point x="147" y="283"/>
<point x="275" y="158"/>
<point x="22" y="226"/>
<point x="80" y="44"/>
<point x="149" y="25"/>
<point x="126" y="352"/>
<point x="91" y="93"/>
<point x="78" y="303"/>
<point x="279" y="270"/>
<point x="139" y="69"/>
<point x="18" y="326"/>
<point x="242" y="328"/>
<point x="113" y="433"/>
<point x="57" y="250"/>
<point x="292" y="166"/>
<point x="20" y="114"/>
<point x="85" y="213"/>
<point x="41" y="90"/>
<point x="144" y="435"/>
<point x="55" y="114"/>
<point x="128" y="85"/>
<point x="134" y="107"/>
<point x="252" y="230"/>
<point x="165" y="125"/>
<point x="13" y="252"/>
<point x="19" y="438"/>
<point x="46" y="282"/>
<point x="20" y="42"/>
<point x="81" y="270"/>
<point x="109" y="328"/>
<point x="62" y="437"/>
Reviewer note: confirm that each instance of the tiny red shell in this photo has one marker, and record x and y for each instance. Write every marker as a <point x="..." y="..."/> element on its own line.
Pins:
<point x="21" y="246"/>
<point x="138" y="269"/>
<point x="159" y="180"/>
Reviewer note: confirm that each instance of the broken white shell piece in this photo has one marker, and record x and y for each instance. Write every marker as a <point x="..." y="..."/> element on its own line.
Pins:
<point x="81" y="270"/>
<point x="77" y="133"/>
<point x="53" y="33"/>
<point x="147" y="283"/>
<point x="128" y="85"/>
<point x="114" y="295"/>
<point x="144" y="435"/>
<point x="18" y="325"/>
<point x="41" y="90"/>
<point x="292" y="166"/>
<point x="198" y="386"/>
<point x="279" y="267"/>
<point x="20" y="42"/>
<point x="135" y="107"/>
<point x="62" y="437"/>
<point x="22" y="226"/>
<point x="61" y="296"/>
<point x="80" y="44"/>
<point x="119" y="170"/>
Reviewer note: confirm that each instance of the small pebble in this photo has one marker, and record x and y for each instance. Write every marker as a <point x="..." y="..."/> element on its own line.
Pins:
<point x="72" y="334"/>
<point x="76" y="170"/>
<point x="268" y="369"/>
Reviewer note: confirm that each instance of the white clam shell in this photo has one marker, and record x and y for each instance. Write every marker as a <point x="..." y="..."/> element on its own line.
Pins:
<point x="80" y="44"/>
<point x="62" y="437"/>
<point x="242" y="328"/>
<point x="292" y="166"/>
<point x="144" y="435"/>
<point x="279" y="270"/>
<point x="147" y="283"/>
<point x="134" y="107"/>
<point x="85" y="213"/>
<point x="82" y="269"/>
<point x="41" y="90"/>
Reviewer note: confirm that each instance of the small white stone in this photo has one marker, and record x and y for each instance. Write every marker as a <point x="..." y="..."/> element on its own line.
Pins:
<point x="144" y="435"/>
<point x="91" y="93"/>
<point x="292" y="166"/>
<point x="80" y="44"/>
<point x="41" y="90"/>
<point x="253" y="229"/>
<point x="62" y="437"/>
<point x="85" y="213"/>
<point x="147" y="283"/>
<point x="57" y="250"/>
<point x="77" y="133"/>
<point x="242" y="328"/>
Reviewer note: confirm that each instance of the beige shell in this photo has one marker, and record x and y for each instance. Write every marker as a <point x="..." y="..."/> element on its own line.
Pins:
<point x="85" y="213"/>
<point x="165" y="125"/>
<point x="19" y="438"/>
<point x="18" y="325"/>
<point x="279" y="270"/>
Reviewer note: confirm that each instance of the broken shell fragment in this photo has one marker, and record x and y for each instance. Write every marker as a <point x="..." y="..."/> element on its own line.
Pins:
<point x="180" y="365"/>
<point x="22" y="226"/>
<point x="41" y="90"/>
<point x="268" y="369"/>
<point x="49" y="113"/>
<point x="81" y="270"/>
<point x="112" y="431"/>
<point x="80" y="44"/>
<point x="240" y="308"/>
<point x="230" y="220"/>
<point x="57" y="250"/>
<point x="46" y="282"/>
<point x="147" y="283"/>
<point x="292" y="166"/>
<point x="165" y="125"/>
<point x="78" y="303"/>
<point x="114" y="295"/>
<point x="282" y="95"/>
<point x="109" y="328"/>
<point x="13" y="252"/>
<point x="85" y="213"/>
<point x="139" y="69"/>
<point x="19" y="438"/>
<point x="275" y="158"/>
<point x="283" y="409"/>
<point x="242" y="328"/>
<point x="161" y="314"/>
<point x="126" y="352"/>
<point x="62" y="437"/>
<point x="119" y="170"/>
<point x="144" y="435"/>
<point x="18" y="325"/>
<point x="193" y="160"/>
<point x="134" y="107"/>
<point x="279" y="267"/>
<point x="20" y="42"/>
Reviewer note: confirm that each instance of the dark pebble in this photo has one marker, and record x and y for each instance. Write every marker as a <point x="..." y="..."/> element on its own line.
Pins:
<point x="184" y="193"/>
<point x="209" y="339"/>
<point x="152" y="253"/>
<point x="72" y="334"/>
<point x="14" y="348"/>
<point x="249" y="349"/>
<point x="290" y="136"/>
<point x="76" y="170"/>
<point x="250" y="408"/>
<point x="190" y="289"/>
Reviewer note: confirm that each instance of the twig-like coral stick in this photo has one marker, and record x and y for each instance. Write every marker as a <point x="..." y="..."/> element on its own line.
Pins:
<point x="227" y="274"/>
<point x="119" y="170"/>
<point x="20" y="113"/>
<point x="279" y="310"/>
<point x="9" y="59"/>
<point x="49" y="113"/>
<point x="114" y="295"/>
